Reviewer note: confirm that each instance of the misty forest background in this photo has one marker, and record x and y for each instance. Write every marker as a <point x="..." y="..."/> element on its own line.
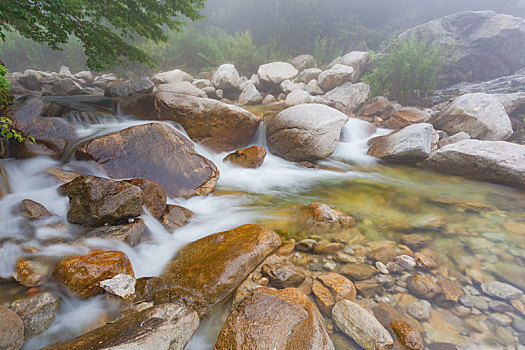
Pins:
<point x="248" y="33"/>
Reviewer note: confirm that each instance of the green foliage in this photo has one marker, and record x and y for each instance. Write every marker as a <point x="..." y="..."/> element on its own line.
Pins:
<point x="9" y="131"/>
<point x="326" y="50"/>
<point x="107" y="29"/>
<point x="5" y="96"/>
<point x="410" y="67"/>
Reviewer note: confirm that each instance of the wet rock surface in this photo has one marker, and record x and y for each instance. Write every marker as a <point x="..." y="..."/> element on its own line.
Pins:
<point x="169" y="159"/>
<point x="331" y="288"/>
<point x="280" y="319"/>
<point x="252" y="157"/>
<point x="12" y="330"/>
<point x="37" y="312"/>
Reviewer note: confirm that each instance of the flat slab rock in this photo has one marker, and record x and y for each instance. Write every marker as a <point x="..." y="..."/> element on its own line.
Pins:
<point x="160" y="327"/>
<point x="494" y="161"/>
<point x="206" y="271"/>
<point x="168" y="158"/>
<point x="275" y="319"/>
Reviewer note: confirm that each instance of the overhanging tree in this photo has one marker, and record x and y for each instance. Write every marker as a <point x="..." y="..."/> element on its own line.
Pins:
<point x="106" y="28"/>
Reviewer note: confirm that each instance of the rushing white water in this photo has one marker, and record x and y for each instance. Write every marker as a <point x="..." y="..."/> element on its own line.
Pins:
<point x="28" y="180"/>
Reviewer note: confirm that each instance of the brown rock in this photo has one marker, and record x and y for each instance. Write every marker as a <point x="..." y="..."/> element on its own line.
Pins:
<point x="32" y="272"/>
<point x="384" y="255"/>
<point x="12" y="329"/>
<point x="381" y="107"/>
<point x="283" y="275"/>
<point x="386" y="314"/>
<point x="33" y="210"/>
<point x="358" y="272"/>
<point x="325" y="248"/>
<point x="414" y="241"/>
<point x="167" y="326"/>
<point x="406" y="116"/>
<point x="175" y="216"/>
<point x="252" y="157"/>
<point x="408" y="336"/>
<point x="369" y="288"/>
<point x="425" y="261"/>
<point x="131" y="234"/>
<point x="219" y="126"/>
<point x="331" y="287"/>
<point x="423" y="286"/>
<point x="154" y="196"/>
<point x="319" y="216"/>
<point x="95" y="201"/>
<point x="53" y="135"/>
<point x="147" y="287"/>
<point x="206" y="271"/>
<point x="274" y="319"/>
<point x="82" y="274"/>
<point x="451" y="291"/>
<point x="168" y="159"/>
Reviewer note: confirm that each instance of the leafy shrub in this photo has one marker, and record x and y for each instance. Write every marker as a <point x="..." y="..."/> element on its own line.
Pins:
<point x="326" y="50"/>
<point x="5" y="97"/>
<point x="411" y="67"/>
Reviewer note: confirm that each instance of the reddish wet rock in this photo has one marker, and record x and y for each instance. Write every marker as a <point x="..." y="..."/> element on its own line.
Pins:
<point x="423" y="286"/>
<point x="329" y="288"/>
<point x="175" y="216"/>
<point x="252" y="157"/>
<point x="408" y="336"/>
<point x="82" y="274"/>
<point x="154" y="196"/>
<point x="283" y="275"/>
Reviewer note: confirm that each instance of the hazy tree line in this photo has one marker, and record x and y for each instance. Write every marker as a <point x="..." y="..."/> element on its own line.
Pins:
<point x="250" y="32"/>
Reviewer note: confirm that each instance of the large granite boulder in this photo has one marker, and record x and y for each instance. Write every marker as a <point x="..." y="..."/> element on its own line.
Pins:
<point x="355" y="59"/>
<point x="182" y="87"/>
<point x="172" y="76"/>
<point x="62" y="87"/>
<point x="206" y="271"/>
<point x="95" y="201"/>
<point x="480" y="115"/>
<point x="335" y="76"/>
<point x="168" y="158"/>
<point x="276" y="72"/>
<point x="161" y="327"/>
<point x="485" y="45"/>
<point x="250" y="95"/>
<point x="411" y="144"/>
<point x="134" y="86"/>
<point x="348" y="97"/>
<point x="82" y="274"/>
<point x="303" y="62"/>
<point x="219" y="126"/>
<point x="275" y="319"/>
<point x="305" y="132"/>
<point x="494" y="161"/>
<point x="226" y="77"/>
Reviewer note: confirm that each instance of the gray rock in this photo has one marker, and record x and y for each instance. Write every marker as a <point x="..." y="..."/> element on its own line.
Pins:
<point x="303" y="62"/>
<point x="501" y="290"/>
<point x="288" y="86"/>
<point x="411" y="144"/>
<point x="210" y="92"/>
<point x="11" y="331"/>
<point x="361" y="326"/>
<point x="255" y="80"/>
<point x="33" y="80"/>
<point x="64" y="70"/>
<point x="479" y="303"/>
<point x="476" y="39"/>
<point x="37" y="312"/>
<point x="482" y="116"/>
<point x="172" y="76"/>
<point x="85" y="75"/>
<point x="495" y="161"/>
<point x="250" y="95"/>
<point x="202" y="83"/>
<point x="355" y="59"/>
<point x="348" y="97"/>
<point x="305" y="132"/>
<point x="64" y="87"/>
<point x="167" y="326"/>
<point x="460" y="136"/>
<point x="335" y="76"/>
<point x="182" y="87"/>
<point x="226" y="78"/>
<point x="298" y="97"/>
<point x="135" y="86"/>
<point x="406" y="262"/>
<point x="500" y="306"/>
<point x="313" y="88"/>
<point x="511" y="102"/>
<point x="308" y="75"/>
<point x="121" y="285"/>
<point x="276" y="72"/>
<point x="420" y="310"/>
<point x="268" y="99"/>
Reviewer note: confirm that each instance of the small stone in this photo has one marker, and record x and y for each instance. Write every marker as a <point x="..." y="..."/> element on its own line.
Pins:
<point x="406" y="262"/>
<point x="450" y="290"/>
<point x="394" y="268"/>
<point x="519" y="306"/>
<point x="328" y="248"/>
<point x="500" y="319"/>
<point x="252" y="157"/>
<point x="501" y="290"/>
<point x="474" y="301"/>
<point x="33" y="210"/>
<point x="425" y="261"/>
<point x="283" y="275"/>
<point x="384" y="255"/>
<point x="330" y="288"/>
<point x="423" y="286"/>
<point x="358" y="272"/>
<point x="175" y="216"/>
<point x="518" y="324"/>
<point x="329" y="266"/>
<point x="420" y="310"/>
<point x="382" y="268"/>
<point x="121" y="285"/>
<point x="462" y="311"/>
<point x="500" y="306"/>
<point x="414" y="241"/>
<point x="286" y="249"/>
<point x="407" y="335"/>
<point x="305" y="245"/>
<point x="345" y="258"/>
<point x="32" y="272"/>
<point x="37" y="312"/>
<point x="316" y="267"/>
